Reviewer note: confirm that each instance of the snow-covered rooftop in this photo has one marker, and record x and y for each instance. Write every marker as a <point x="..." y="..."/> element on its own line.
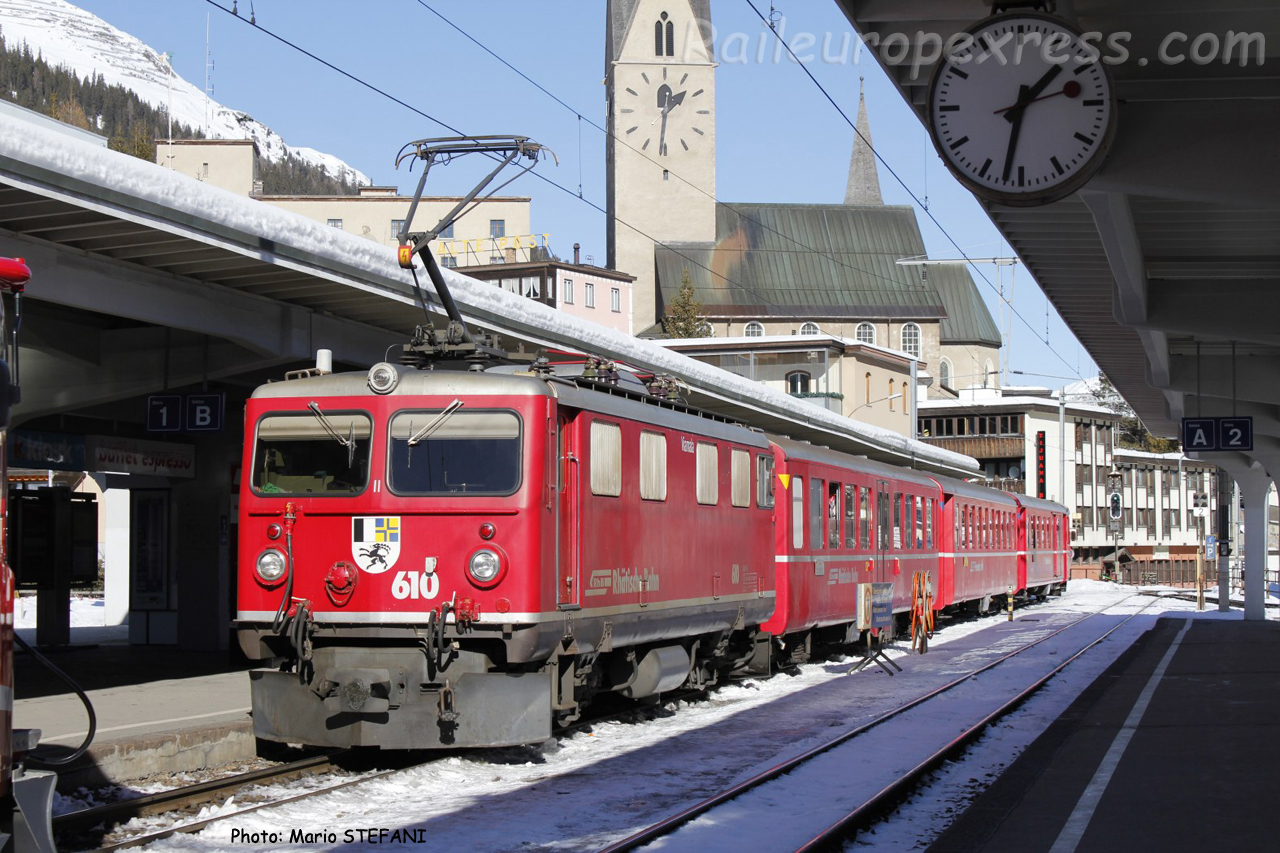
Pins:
<point x="800" y="341"/>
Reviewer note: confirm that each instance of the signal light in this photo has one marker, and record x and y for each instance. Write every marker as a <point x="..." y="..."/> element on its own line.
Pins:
<point x="1117" y="508"/>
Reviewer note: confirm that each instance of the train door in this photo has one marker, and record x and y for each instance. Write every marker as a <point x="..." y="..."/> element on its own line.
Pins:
<point x="884" y="529"/>
<point x="569" y="523"/>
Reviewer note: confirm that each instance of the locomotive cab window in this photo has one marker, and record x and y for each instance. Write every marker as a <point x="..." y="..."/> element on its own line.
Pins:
<point x="764" y="481"/>
<point x="454" y="452"/>
<point x="708" y="478"/>
<point x="606" y="459"/>
<point x="316" y="453"/>
<point x="740" y="478"/>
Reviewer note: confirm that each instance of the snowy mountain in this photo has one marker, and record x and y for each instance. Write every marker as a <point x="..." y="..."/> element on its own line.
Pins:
<point x="69" y="36"/>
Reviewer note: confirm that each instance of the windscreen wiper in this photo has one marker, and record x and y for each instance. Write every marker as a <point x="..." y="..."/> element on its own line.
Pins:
<point x="435" y="423"/>
<point x="349" y="441"/>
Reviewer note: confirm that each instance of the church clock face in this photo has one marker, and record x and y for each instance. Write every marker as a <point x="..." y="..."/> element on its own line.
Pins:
<point x="664" y="112"/>
<point x="1025" y="114"/>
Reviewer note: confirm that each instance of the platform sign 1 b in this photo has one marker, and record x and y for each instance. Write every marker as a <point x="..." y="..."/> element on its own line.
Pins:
<point x="164" y="413"/>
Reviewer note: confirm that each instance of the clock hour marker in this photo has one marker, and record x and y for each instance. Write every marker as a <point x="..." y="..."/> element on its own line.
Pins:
<point x="685" y="144"/>
<point x="1022" y="178"/>
<point x="645" y="147"/>
<point x="633" y="91"/>
<point x="682" y="79"/>
<point x="949" y="108"/>
<point x="664" y="72"/>
<point x="632" y="130"/>
<point x="644" y="76"/>
<point x="698" y="131"/>
<point x="982" y="173"/>
<point x="699" y="92"/>
<point x="704" y="112"/>
<point x="956" y="71"/>
<point x="1057" y="165"/>
<point x="1082" y="69"/>
<point x="1093" y="102"/>
<point x="627" y="110"/>
<point x="1085" y="139"/>
<point x="961" y="141"/>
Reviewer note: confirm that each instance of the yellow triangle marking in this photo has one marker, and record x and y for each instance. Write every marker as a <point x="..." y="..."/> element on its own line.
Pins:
<point x="785" y="479"/>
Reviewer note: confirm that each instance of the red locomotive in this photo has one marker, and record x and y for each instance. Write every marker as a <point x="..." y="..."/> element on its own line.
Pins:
<point x="440" y="558"/>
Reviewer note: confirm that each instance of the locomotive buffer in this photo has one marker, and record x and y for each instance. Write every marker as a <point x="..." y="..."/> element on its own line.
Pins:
<point x="457" y="342"/>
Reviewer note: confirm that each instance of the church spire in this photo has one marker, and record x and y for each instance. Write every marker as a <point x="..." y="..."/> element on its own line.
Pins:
<point x="864" y="179"/>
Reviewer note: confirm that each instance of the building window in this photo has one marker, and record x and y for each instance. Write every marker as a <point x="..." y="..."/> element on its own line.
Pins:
<point x="496" y="259"/>
<point x="450" y="261"/>
<point x="664" y="37"/>
<point x="892" y="385"/>
<point x="755" y="330"/>
<point x="810" y="329"/>
<point x="944" y="373"/>
<point x="397" y="225"/>
<point x="986" y="376"/>
<point x="497" y="228"/>
<point x="335" y="223"/>
<point x="798" y="382"/>
<point x="866" y="390"/>
<point x="615" y="300"/>
<point x="447" y="232"/>
<point x="566" y="289"/>
<point x="866" y="333"/>
<point x="911" y="339"/>
<point x="589" y="295"/>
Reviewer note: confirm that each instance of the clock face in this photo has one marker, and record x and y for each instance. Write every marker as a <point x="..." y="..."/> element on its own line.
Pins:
<point x="663" y="112"/>
<point x="1025" y="113"/>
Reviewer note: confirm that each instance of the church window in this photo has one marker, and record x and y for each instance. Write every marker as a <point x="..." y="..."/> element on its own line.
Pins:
<point x="892" y="386"/>
<point x="755" y="330"/>
<point x="664" y="37"/>
<point x="944" y="373"/>
<point x="798" y="382"/>
<point x="986" y="376"/>
<point x="810" y="329"/>
<point x="911" y="339"/>
<point x="866" y="390"/>
<point x="866" y="333"/>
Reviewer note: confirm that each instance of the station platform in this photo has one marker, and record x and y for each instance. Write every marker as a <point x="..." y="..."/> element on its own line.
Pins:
<point x="159" y="710"/>
<point x="1175" y="747"/>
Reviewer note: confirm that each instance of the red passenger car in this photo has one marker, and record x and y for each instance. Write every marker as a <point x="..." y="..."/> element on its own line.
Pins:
<point x="1044" y="554"/>
<point x="978" y="544"/>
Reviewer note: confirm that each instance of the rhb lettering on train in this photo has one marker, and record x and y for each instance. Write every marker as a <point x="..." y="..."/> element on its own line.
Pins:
<point x="839" y="576"/>
<point x="619" y="581"/>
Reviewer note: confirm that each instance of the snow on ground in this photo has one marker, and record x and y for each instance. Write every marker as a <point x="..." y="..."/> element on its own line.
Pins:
<point x="88" y="621"/>
<point x="582" y="790"/>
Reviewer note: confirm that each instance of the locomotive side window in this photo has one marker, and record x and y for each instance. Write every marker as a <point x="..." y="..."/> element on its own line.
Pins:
<point x="864" y="517"/>
<point x="708" y="485"/>
<point x="817" y="503"/>
<point x="850" y="517"/>
<point x="928" y="523"/>
<point x="897" y="520"/>
<point x="740" y="478"/>
<point x="797" y="512"/>
<point x="764" y="481"/>
<point x="919" y="522"/>
<point x="304" y="454"/>
<point x="833" y="515"/>
<point x="465" y="453"/>
<point x="653" y="466"/>
<point x="606" y="459"/>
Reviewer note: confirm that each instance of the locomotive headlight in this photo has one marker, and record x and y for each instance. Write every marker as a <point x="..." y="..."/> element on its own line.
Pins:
<point x="383" y="378"/>
<point x="271" y="565"/>
<point x="485" y="565"/>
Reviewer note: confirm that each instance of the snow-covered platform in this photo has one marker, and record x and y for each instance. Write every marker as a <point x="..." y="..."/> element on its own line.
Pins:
<point x="159" y="709"/>
<point x="1173" y="748"/>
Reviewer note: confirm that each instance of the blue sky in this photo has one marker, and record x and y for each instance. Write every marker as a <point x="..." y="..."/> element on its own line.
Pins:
<point x="779" y="140"/>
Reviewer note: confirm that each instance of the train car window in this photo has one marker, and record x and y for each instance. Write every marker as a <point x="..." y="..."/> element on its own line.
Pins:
<point x="708" y="485"/>
<point x="653" y="466"/>
<point x="908" y="523"/>
<point x="833" y="515"/>
<point x="930" y="506"/>
<point x="850" y="517"/>
<point x="764" y="481"/>
<point x="882" y="519"/>
<point x="864" y="517"/>
<point x="919" y="522"/>
<point x="473" y="452"/>
<point x="897" y="520"/>
<point x="797" y="513"/>
<point x="606" y="459"/>
<point x="817" y="506"/>
<point x="298" y="454"/>
<point x="740" y="478"/>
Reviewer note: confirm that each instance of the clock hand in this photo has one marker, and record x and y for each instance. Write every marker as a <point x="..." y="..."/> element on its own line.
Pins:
<point x="1015" y="116"/>
<point x="1027" y="95"/>
<point x="662" y="138"/>
<point x="1071" y="90"/>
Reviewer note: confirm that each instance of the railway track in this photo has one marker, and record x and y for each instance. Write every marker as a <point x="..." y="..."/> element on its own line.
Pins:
<point x="881" y="801"/>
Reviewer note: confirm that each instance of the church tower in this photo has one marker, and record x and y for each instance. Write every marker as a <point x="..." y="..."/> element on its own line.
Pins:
<point x="661" y="150"/>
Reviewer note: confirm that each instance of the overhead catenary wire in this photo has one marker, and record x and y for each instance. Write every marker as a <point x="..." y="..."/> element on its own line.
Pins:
<point x="640" y="152"/>
<point x="803" y="67"/>
<point x="456" y="131"/>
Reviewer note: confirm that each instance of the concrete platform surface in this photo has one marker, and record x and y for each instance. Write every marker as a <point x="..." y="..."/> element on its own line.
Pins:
<point x="159" y="710"/>
<point x="1193" y="768"/>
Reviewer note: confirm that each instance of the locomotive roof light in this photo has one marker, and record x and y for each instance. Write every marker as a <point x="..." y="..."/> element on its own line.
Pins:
<point x="383" y="378"/>
<point x="271" y="566"/>
<point x="485" y="568"/>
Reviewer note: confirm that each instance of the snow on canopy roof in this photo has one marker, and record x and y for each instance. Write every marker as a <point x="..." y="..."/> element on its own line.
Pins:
<point x="52" y="164"/>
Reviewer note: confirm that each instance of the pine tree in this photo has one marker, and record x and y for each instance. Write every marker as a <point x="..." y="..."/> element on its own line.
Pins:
<point x="1132" y="433"/>
<point x="684" y="315"/>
